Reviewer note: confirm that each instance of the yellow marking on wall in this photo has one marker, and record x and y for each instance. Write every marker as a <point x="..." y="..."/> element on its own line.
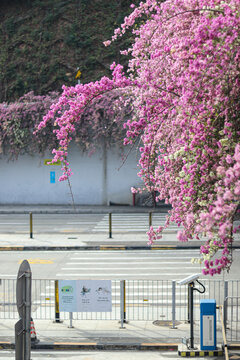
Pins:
<point x="46" y="161"/>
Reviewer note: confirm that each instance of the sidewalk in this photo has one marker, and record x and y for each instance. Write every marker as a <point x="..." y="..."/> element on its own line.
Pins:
<point x="79" y="209"/>
<point x="103" y="335"/>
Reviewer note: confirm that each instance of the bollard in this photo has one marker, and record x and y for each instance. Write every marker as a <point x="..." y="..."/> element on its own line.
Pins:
<point x="57" y="313"/>
<point x="173" y="304"/>
<point x="31" y="225"/>
<point x="110" y="225"/>
<point x="150" y="219"/>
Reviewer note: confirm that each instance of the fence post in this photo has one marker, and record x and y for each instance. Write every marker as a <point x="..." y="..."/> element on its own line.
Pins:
<point x="225" y="305"/>
<point x="188" y="305"/>
<point x="70" y="320"/>
<point x="173" y="304"/>
<point x="57" y="313"/>
<point x="31" y="225"/>
<point x="110" y="225"/>
<point x="122" y="303"/>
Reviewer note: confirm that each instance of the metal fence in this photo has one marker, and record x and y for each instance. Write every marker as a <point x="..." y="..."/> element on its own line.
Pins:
<point x="146" y="300"/>
<point x="232" y="310"/>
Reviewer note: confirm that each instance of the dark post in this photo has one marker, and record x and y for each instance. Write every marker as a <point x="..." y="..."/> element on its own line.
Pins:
<point x="124" y="301"/>
<point x="150" y="219"/>
<point x="188" y="303"/>
<point x="31" y="226"/>
<point x="191" y="287"/>
<point x="110" y="225"/>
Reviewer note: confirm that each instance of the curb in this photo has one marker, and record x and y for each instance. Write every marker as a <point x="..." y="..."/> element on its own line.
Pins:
<point x="100" y="248"/>
<point x="95" y="346"/>
<point x="58" y="346"/>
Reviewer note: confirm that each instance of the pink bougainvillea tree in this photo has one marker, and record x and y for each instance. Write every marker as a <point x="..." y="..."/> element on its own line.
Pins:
<point x="184" y="79"/>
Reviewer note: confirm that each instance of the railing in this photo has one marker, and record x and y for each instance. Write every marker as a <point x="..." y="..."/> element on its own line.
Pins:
<point x="146" y="300"/>
<point x="142" y="299"/>
<point x="232" y="318"/>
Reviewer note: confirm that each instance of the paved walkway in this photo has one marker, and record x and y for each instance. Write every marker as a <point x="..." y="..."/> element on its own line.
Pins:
<point x="103" y="334"/>
<point x="81" y="209"/>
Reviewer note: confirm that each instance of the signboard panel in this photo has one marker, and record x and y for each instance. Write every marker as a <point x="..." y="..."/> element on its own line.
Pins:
<point x="85" y="295"/>
<point x="52" y="177"/>
<point x="208" y="330"/>
<point x="67" y="295"/>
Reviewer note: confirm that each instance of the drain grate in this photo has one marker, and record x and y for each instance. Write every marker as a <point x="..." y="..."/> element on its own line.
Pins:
<point x="165" y="323"/>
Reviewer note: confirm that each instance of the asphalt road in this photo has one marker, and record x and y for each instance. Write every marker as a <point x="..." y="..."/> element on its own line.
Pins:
<point x="130" y="264"/>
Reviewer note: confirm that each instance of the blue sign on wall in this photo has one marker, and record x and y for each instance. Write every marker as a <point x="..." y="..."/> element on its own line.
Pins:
<point x="52" y="177"/>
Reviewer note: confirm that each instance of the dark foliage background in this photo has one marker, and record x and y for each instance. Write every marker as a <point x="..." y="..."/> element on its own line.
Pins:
<point x="43" y="42"/>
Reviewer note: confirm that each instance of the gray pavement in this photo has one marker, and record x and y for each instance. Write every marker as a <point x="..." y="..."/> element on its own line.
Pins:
<point x="78" y="209"/>
<point x="103" y="335"/>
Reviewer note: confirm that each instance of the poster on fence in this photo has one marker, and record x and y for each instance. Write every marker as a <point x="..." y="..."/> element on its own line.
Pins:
<point x="67" y="290"/>
<point x="85" y="295"/>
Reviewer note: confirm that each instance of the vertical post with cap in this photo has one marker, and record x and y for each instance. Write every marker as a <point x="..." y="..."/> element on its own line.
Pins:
<point x="110" y="225"/>
<point x="150" y="219"/>
<point x="31" y="225"/>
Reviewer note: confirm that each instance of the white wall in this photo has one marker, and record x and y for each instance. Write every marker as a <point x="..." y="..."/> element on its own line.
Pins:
<point x="97" y="180"/>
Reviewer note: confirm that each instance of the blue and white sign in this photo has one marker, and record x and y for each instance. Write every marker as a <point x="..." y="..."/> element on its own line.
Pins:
<point x="52" y="177"/>
<point x="67" y="295"/>
<point x="85" y="295"/>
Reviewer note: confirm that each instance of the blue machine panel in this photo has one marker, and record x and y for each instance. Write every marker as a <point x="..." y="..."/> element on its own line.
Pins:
<point x="208" y="337"/>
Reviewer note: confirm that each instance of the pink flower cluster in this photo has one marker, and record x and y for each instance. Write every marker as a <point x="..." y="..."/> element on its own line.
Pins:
<point x="184" y="77"/>
<point x="78" y="112"/>
<point x="185" y="64"/>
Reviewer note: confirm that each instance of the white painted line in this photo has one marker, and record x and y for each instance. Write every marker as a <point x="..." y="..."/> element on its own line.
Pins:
<point x="12" y="223"/>
<point x="133" y="268"/>
<point x="135" y="262"/>
<point x="132" y="258"/>
<point x="128" y="275"/>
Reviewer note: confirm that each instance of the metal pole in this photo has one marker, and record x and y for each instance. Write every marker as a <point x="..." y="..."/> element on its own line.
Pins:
<point x="31" y="225"/>
<point x="191" y="286"/>
<point x="57" y="313"/>
<point x="188" y="304"/>
<point x="27" y="349"/>
<point x="110" y="225"/>
<point x="71" y="320"/>
<point x="122" y="303"/>
<point x="173" y="304"/>
<point x="150" y="219"/>
<point x="225" y="305"/>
